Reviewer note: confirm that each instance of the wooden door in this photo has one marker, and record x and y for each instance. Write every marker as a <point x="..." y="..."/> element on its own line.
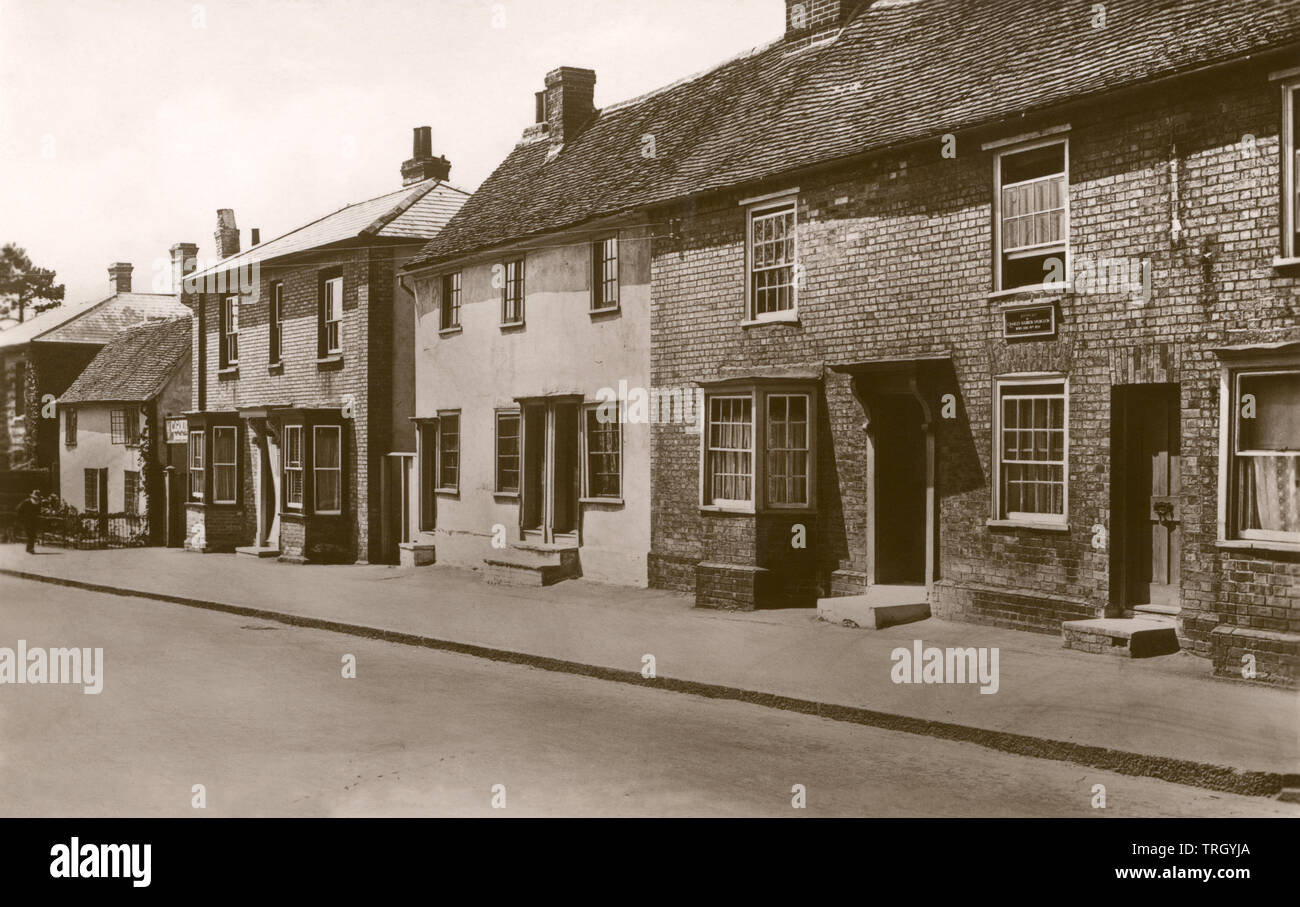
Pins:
<point x="1155" y="499"/>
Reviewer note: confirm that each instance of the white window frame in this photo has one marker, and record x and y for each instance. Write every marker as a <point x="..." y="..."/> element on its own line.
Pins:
<point x="1031" y="520"/>
<point x="233" y="465"/>
<point x="195" y="455"/>
<point x="707" y="498"/>
<point x="332" y="326"/>
<point x="1011" y="151"/>
<point x="317" y="469"/>
<point x="1290" y="160"/>
<point x="763" y="207"/>
<point x="230" y="330"/>
<point x="1229" y="517"/>
<point x="587" y="496"/>
<point x="294" y="466"/>
<point x="810" y="430"/>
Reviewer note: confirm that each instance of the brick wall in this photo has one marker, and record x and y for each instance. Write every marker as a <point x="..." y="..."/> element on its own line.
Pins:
<point x="897" y="252"/>
<point x="301" y="382"/>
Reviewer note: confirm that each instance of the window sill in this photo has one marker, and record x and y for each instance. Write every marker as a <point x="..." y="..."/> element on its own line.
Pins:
<point x="450" y="332"/>
<point x="331" y="359"/>
<point x="1027" y="524"/>
<point x="612" y="502"/>
<point x="1013" y="296"/>
<point x="514" y="326"/>
<point x="506" y="495"/>
<point x="229" y="371"/>
<point x="275" y="368"/>
<point x="783" y="318"/>
<point x="1286" y="264"/>
<point x="448" y="492"/>
<point x="739" y="511"/>
<point x="605" y="312"/>
<point x="1258" y="545"/>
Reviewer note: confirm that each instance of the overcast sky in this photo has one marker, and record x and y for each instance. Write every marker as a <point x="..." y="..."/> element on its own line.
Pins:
<point x="124" y="126"/>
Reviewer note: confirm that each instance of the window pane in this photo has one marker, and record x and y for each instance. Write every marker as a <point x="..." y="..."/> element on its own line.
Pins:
<point x="327" y="448"/>
<point x="508" y="453"/>
<point x="1268" y="494"/>
<point x="1268" y="409"/>
<point x="449" y="452"/>
<point x="604" y="457"/>
<point x="731" y="448"/>
<point x="1032" y="450"/>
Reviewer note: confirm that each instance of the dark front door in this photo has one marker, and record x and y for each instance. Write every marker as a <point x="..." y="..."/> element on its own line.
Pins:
<point x="551" y="479"/>
<point x="899" y="439"/>
<point x="1153" y="503"/>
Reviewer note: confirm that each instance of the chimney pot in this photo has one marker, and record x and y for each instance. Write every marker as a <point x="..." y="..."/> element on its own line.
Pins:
<point x="119" y="277"/>
<point x="423" y="165"/>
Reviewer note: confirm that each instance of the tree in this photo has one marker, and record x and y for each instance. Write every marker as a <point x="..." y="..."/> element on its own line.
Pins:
<point x="23" y="285"/>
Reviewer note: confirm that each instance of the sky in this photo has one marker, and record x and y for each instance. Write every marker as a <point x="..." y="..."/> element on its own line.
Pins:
<point x="125" y="125"/>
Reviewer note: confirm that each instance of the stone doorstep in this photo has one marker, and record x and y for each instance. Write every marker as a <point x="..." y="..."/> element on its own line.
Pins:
<point x="255" y="551"/>
<point x="509" y="573"/>
<point x="1126" y="637"/>
<point x="412" y="554"/>
<point x="880" y="607"/>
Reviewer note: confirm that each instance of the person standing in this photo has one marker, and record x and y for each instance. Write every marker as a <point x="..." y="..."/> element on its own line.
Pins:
<point x="28" y="517"/>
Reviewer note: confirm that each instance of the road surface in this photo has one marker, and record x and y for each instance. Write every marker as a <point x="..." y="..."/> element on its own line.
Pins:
<point x="262" y="717"/>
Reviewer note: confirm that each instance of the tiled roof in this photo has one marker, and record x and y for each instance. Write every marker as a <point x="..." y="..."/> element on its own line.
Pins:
<point x="417" y="211"/>
<point x="94" y="322"/>
<point x="135" y="366"/>
<point x="900" y="71"/>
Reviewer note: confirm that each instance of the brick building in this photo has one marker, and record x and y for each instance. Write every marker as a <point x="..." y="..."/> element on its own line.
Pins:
<point x="993" y="305"/>
<point x="42" y="356"/>
<point x="301" y="440"/>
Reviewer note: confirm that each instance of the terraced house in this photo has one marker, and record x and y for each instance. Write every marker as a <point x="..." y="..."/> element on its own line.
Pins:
<point x="993" y="305"/>
<point x="301" y="444"/>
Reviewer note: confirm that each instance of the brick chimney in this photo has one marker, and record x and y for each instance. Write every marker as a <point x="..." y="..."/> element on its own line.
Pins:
<point x="184" y="261"/>
<point x="255" y="236"/>
<point x="227" y="235"/>
<point x="119" y="277"/>
<point x="807" y="17"/>
<point x="423" y="165"/>
<point x="570" y="103"/>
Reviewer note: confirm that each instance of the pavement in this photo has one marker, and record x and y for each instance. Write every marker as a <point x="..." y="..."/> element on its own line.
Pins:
<point x="1165" y="717"/>
<point x="261" y="715"/>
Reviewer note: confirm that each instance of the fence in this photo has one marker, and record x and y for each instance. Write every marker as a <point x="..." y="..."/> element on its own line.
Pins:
<point x="92" y="530"/>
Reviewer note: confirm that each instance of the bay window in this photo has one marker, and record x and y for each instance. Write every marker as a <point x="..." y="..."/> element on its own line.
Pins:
<point x="759" y="449"/>
<point x="196" y="460"/>
<point x="225" y="460"/>
<point x="293" y="468"/>
<point x="1264" y="472"/>
<point x="327" y="469"/>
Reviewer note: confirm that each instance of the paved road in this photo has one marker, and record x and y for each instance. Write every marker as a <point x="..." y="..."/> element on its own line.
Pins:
<point x="263" y="718"/>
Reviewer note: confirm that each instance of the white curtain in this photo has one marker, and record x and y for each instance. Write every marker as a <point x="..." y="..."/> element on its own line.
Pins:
<point x="1275" y="491"/>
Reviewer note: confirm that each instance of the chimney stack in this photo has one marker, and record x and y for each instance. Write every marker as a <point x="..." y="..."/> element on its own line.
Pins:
<point x="423" y="165"/>
<point x="227" y="235"/>
<point x="254" y="236"/>
<point x="184" y="261"/>
<point x="119" y="277"/>
<point x="570" y="103"/>
<point x="807" y="17"/>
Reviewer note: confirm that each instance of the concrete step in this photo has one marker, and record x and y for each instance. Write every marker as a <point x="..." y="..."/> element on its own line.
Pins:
<point x="528" y="564"/>
<point x="880" y="607"/>
<point x="254" y="551"/>
<point x="1125" y="637"/>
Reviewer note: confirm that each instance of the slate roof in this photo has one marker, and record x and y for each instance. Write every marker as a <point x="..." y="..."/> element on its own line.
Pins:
<point x="135" y="366"/>
<point x="417" y="211"/>
<point x="900" y="71"/>
<point x="93" y="322"/>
